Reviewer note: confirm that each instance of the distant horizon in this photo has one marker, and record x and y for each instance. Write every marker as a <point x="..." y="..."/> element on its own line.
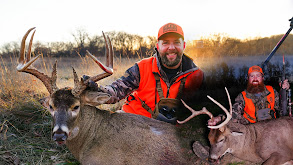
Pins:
<point x="186" y="38"/>
<point x="56" y="20"/>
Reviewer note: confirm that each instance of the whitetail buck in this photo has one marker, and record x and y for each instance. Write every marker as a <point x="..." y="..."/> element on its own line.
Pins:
<point x="96" y="136"/>
<point x="267" y="142"/>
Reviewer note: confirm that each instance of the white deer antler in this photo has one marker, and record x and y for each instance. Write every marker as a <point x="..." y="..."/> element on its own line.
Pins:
<point x="24" y="64"/>
<point x="80" y="86"/>
<point x="205" y="111"/>
<point x="195" y="113"/>
<point x="229" y="115"/>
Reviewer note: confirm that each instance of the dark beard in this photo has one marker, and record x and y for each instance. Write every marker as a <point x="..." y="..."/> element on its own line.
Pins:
<point x="168" y="63"/>
<point x="255" y="88"/>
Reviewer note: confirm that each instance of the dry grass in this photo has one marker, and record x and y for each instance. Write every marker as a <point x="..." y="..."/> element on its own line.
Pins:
<point x="25" y="126"/>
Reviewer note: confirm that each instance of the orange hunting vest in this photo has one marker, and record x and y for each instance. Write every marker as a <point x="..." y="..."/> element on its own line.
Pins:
<point x="249" y="109"/>
<point x="147" y="92"/>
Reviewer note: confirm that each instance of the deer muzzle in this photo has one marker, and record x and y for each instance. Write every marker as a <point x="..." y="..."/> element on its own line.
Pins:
<point x="60" y="130"/>
<point x="60" y="137"/>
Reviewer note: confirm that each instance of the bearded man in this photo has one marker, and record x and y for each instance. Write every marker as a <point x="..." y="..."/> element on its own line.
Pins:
<point x="259" y="101"/>
<point x="154" y="86"/>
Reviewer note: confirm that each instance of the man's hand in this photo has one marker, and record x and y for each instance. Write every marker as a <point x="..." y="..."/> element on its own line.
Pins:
<point x="94" y="87"/>
<point x="91" y="84"/>
<point x="216" y="120"/>
<point x="285" y="84"/>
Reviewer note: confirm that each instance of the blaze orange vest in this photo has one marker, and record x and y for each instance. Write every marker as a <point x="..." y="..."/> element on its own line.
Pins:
<point x="249" y="109"/>
<point x="147" y="87"/>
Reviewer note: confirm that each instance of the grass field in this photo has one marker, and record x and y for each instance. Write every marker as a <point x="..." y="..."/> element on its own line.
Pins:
<point x="25" y="126"/>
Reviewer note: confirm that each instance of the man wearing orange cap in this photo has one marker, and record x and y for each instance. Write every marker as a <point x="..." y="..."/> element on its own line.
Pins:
<point x="154" y="85"/>
<point x="259" y="101"/>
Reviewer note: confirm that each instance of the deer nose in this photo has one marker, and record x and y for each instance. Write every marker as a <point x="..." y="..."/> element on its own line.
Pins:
<point x="60" y="136"/>
<point x="214" y="161"/>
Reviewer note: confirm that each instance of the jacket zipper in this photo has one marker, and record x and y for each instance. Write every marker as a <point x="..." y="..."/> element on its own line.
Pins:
<point x="167" y="92"/>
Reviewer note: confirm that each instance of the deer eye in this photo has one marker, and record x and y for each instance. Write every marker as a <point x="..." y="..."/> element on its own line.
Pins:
<point x="76" y="108"/>
<point x="221" y="140"/>
<point x="50" y="106"/>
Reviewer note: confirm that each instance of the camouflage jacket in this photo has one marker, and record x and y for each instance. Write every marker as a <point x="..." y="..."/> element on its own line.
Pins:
<point x="129" y="82"/>
<point x="259" y="102"/>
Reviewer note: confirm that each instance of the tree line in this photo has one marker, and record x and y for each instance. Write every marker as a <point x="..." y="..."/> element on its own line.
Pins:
<point x="133" y="45"/>
<point x="222" y="45"/>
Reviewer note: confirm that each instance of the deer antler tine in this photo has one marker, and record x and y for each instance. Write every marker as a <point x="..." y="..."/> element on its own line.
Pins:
<point x="195" y="113"/>
<point x="78" y="85"/>
<point x="54" y="77"/>
<point x="23" y="65"/>
<point x="230" y="104"/>
<point x="229" y="115"/>
<point x="76" y="80"/>
<point x="221" y="125"/>
<point x="22" y="47"/>
<point x="108" y="69"/>
<point x="220" y="105"/>
<point x="107" y="49"/>
<point x="28" y="55"/>
<point x="110" y="58"/>
<point x="101" y="65"/>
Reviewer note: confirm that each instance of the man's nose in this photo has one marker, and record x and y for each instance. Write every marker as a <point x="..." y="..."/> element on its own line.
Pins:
<point x="172" y="46"/>
<point x="255" y="78"/>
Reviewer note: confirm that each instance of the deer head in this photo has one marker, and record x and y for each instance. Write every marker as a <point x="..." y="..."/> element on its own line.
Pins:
<point x="64" y="104"/>
<point x="220" y="136"/>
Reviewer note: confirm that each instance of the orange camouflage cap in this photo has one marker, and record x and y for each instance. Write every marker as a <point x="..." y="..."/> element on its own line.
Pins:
<point x="255" y="68"/>
<point x="170" y="28"/>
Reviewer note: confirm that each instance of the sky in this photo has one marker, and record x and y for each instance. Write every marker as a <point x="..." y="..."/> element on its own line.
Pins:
<point x="57" y="20"/>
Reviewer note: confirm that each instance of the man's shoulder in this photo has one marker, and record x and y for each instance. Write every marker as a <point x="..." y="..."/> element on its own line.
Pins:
<point x="240" y="97"/>
<point x="146" y="60"/>
<point x="187" y="63"/>
<point x="269" y="87"/>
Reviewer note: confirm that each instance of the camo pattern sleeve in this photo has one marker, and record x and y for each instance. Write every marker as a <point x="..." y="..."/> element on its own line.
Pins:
<point x="123" y="86"/>
<point x="238" y="110"/>
<point x="277" y="107"/>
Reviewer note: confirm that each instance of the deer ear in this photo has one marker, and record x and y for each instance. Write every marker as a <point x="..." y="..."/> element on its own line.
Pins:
<point x="45" y="102"/>
<point x="222" y="129"/>
<point x="94" y="98"/>
<point x="236" y="133"/>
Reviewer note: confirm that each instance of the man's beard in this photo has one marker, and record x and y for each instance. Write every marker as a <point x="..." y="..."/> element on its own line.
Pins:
<point x="168" y="63"/>
<point x="255" y="88"/>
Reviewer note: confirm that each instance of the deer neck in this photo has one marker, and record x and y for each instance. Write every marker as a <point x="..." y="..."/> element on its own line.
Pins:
<point x="245" y="147"/>
<point x="85" y="129"/>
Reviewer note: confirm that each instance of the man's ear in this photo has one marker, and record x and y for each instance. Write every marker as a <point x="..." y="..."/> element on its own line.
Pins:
<point x="157" y="45"/>
<point x="45" y="102"/>
<point x="94" y="98"/>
